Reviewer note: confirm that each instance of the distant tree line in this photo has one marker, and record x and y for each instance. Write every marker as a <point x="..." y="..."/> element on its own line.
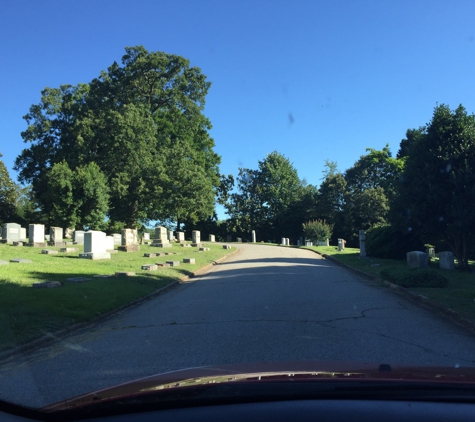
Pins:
<point x="424" y="195"/>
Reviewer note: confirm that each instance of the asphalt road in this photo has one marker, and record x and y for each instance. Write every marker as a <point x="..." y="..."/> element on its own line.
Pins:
<point x="264" y="304"/>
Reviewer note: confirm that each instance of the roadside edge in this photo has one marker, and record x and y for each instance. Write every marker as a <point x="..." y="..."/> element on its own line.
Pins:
<point x="50" y="337"/>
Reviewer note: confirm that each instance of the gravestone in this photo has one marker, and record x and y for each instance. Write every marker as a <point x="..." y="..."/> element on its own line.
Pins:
<point x="446" y="260"/>
<point x="431" y="252"/>
<point x="362" y="243"/>
<point x="150" y="267"/>
<point x="161" y="238"/>
<point x="47" y="285"/>
<point x="195" y="238"/>
<point x="341" y="244"/>
<point x="36" y="235"/>
<point x="23" y="234"/>
<point x="67" y="250"/>
<point x="283" y="241"/>
<point x="11" y="232"/>
<point x="146" y="237"/>
<point x="323" y="243"/>
<point x="229" y="238"/>
<point x="238" y="239"/>
<point x="78" y="237"/>
<point x="110" y="244"/>
<point x="226" y="247"/>
<point x="299" y="242"/>
<point x="130" y="241"/>
<point x="417" y="259"/>
<point x="253" y="234"/>
<point x="308" y="243"/>
<point x="117" y="238"/>
<point x="173" y="263"/>
<point x="95" y="246"/>
<point x="170" y="235"/>
<point x="287" y="241"/>
<point x="49" y="252"/>
<point x="56" y="236"/>
<point x="212" y="238"/>
<point x="68" y="233"/>
<point x="180" y="236"/>
<point x="189" y="260"/>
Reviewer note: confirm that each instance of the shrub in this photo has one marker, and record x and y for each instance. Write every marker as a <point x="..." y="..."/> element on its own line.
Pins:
<point x="317" y="230"/>
<point x="386" y="242"/>
<point x="417" y="277"/>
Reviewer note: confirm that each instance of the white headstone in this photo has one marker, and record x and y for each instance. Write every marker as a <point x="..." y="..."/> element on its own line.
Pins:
<point x="195" y="237"/>
<point x="212" y="238"/>
<point x="78" y="237"/>
<point x="117" y="238"/>
<point x="253" y="233"/>
<point x="109" y="243"/>
<point x="94" y="242"/>
<point x="36" y="233"/>
<point x="180" y="236"/>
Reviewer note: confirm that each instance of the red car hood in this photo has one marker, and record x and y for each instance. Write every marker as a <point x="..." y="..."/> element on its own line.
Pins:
<point x="272" y="372"/>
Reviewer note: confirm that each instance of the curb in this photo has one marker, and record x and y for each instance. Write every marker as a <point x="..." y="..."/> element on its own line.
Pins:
<point x="419" y="299"/>
<point x="50" y="337"/>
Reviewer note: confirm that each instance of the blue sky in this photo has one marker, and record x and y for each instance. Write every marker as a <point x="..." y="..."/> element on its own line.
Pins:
<point x="313" y="80"/>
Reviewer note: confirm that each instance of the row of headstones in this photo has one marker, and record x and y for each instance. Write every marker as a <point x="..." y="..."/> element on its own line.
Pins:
<point x="13" y="232"/>
<point x="163" y="237"/>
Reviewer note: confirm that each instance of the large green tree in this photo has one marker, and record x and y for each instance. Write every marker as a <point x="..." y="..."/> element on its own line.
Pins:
<point x="265" y="197"/>
<point x="79" y="198"/>
<point x="376" y="169"/>
<point x="127" y="121"/>
<point x="438" y="189"/>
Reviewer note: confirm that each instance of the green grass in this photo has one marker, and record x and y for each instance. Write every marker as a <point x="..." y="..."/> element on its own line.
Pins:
<point x="459" y="294"/>
<point x="28" y="313"/>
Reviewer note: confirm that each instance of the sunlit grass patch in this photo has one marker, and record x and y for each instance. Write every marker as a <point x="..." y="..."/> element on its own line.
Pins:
<point x="27" y="313"/>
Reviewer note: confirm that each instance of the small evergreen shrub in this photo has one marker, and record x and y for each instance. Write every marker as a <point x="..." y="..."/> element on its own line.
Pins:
<point x="417" y="277"/>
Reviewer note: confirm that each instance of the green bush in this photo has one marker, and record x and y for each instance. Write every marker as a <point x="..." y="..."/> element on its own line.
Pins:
<point x="317" y="230"/>
<point x="417" y="277"/>
<point x="388" y="243"/>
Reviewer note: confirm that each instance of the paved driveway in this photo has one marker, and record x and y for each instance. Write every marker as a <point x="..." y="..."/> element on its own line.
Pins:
<point x="264" y="304"/>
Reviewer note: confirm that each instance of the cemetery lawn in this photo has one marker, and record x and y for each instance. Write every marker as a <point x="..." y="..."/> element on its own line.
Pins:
<point x="28" y="313"/>
<point x="459" y="295"/>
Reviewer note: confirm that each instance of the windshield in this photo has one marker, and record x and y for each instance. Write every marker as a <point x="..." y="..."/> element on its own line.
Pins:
<point x="188" y="184"/>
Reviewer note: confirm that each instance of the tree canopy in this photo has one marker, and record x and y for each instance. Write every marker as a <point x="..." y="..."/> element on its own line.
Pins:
<point x="437" y="193"/>
<point x="131" y="121"/>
